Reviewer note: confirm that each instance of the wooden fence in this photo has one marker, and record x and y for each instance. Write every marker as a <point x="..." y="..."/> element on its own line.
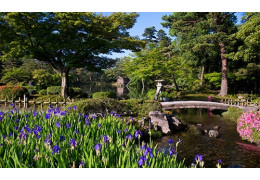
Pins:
<point x="25" y="103"/>
<point x="240" y="102"/>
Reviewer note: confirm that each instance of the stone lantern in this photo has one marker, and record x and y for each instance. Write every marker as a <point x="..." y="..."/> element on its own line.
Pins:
<point x="158" y="90"/>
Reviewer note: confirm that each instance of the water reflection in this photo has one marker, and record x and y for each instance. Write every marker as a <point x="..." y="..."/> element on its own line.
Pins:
<point x="228" y="146"/>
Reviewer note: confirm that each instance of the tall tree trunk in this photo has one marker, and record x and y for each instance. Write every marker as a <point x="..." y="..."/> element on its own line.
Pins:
<point x="175" y="83"/>
<point x="202" y="75"/>
<point x="64" y="74"/>
<point x="64" y="84"/>
<point x="224" y="82"/>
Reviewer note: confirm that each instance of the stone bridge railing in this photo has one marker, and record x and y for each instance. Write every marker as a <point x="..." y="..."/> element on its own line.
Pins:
<point x="202" y="104"/>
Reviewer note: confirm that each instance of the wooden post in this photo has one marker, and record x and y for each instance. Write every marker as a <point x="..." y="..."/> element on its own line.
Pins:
<point x="6" y="101"/>
<point x="41" y="104"/>
<point x="231" y="102"/>
<point x="247" y="102"/>
<point x="19" y="102"/>
<point x="49" y="101"/>
<point x="24" y="101"/>
<point x="34" y="103"/>
<point x="64" y="105"/>
<point x="56" y="102"/>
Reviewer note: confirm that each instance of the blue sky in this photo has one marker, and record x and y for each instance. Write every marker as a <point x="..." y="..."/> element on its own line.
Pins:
<point x="149" y="19"/>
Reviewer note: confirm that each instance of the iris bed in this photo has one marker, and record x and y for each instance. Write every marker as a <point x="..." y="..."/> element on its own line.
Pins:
<point x="64" y="139"/>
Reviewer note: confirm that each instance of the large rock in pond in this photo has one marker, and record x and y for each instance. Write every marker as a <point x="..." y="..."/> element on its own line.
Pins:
<point x="158" y="118"/>
<point x="213" y="133"/>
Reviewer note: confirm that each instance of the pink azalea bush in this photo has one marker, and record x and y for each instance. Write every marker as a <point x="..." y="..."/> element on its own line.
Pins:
<point x="248" y="126"/>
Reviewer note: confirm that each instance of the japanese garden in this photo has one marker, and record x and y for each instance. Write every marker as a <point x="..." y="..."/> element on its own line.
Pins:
<point x="187" y="96"/>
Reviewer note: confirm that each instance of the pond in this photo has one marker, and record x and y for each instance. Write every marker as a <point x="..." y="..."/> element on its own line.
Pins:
<point x="229" y="147"/>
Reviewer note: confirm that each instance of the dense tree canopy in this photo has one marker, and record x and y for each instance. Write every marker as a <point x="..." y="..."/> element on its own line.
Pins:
<point x="66" y="40"/>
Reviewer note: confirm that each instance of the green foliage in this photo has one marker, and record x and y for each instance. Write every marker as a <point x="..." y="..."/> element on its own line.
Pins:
<point x="232" y="114"/>
<point x="151" y="93"/>
<point x="131" y="107"/>
<point x="104" y="95"/>
<point x="43" y="92"/>
<point x="12" y="92"/>
<point x="77" y="92"/>
<point x="214" y="79"/>
<point x="43" y="78"/>
<point x="15" y="76"/>
<point x="54" y="90"/>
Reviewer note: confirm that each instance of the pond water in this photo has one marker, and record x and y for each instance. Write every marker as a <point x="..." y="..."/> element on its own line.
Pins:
<point x="229" y="147"/>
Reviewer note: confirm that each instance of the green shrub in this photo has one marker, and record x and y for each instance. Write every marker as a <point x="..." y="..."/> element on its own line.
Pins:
<point x="54" y="90"/>
<point x="131" y="107"/>
<point x="150" y="94"/>
<point x="104" y="95"/>
<point x="43" y="92"/>
<point x="12" y="92"/>
<point x="77" y="92"/>
<point x="232" y="113"/>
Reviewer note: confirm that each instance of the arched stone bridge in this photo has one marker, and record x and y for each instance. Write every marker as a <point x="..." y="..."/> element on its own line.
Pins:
<point x="201" y="104"/>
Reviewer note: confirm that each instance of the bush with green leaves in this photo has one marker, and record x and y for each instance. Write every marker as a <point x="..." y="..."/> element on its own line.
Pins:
<point x="131" y="107"/>
<point x="104" y="95"/>
<point x="233" y="113"/>
<point x="54" y="90"/>
<point x="12" y="92"/>
<point x="77" y="92"/>
<point x="43" y="92"/>
<point x="151" y="93"/>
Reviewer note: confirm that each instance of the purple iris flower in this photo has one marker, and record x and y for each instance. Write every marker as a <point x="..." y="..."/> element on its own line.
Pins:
<point x="99" y="125"/>
<point x="22" y="135"/>
<point x="48" y="139"/>
<point x="137" y="133"/>
<point x="130" y="137"/>
<point x="171" y="141"/>
<point x="56" y="149"/>
<point x="180" y="141"/>
<point x="219" y="161"/>
<point x="118" y="115"/>
<point x="142" y="161"/>
<point x="4" y="136"/>
<point x="16" y="128"/>
<point x="35" y="113"/>
<point x="81" y="163"/>
<point x="17" y="121"/>
<point x="74" y="107"/>
<point x="68" y="125"/>
<point x="80" y="115"/>
<point x="87" y="122"/>
<point x="39" y="136"/>
<point x="1" y="113"/>
<point x="57" y="124"/>
<point x="172" y="151"/>
<point x="1" y="144"/>
<point x="78" y="120"/>
<point x="126" y="130"/>
<point x="93" y="117"/>
<point x="86" y="116"/>
<point x="118" y="131"/>
<point x="73" y="142"/>
<point x="105" y="138"/>
<point x="69" y="108"/>
<point x="98" y="147"/>
<point x="1" y="119"/>
<point x="62" y="138"/>
<point x="48" y="116"/>
<point x="76" y="131"/>
<point x="28" y="130"/>
<point x="198" y="157"/>
<point x="131" y="118"/>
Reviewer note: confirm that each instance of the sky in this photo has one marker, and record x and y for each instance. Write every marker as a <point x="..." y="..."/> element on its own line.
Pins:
<point x="149" y="19"/>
